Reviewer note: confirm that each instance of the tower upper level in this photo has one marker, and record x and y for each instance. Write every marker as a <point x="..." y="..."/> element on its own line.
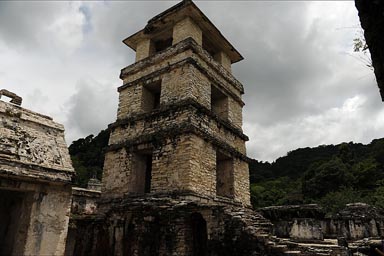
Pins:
<point x="181" y="56"/>
<point x="178" y="23"/>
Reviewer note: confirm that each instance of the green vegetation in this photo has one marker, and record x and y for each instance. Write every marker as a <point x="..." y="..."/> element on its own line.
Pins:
<point x="88" y="157"/>
<point x="331" y="175"/>
<point x="328" y="175"/>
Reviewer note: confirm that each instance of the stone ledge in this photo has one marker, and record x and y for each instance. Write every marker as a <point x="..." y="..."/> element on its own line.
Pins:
<point x="76" y="191"/>
<point x="173" y="107"/>
<point x="156" y="139"/>
<point x="187" y="196"/>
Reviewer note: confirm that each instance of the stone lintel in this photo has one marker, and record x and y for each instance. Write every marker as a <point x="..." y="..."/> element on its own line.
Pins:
<point x="34" y="172"/>
<point x="182" y="46"/>
<point x="15" y="99"/>
<point x="179" y="106"/>
<point x="76" y="191"/>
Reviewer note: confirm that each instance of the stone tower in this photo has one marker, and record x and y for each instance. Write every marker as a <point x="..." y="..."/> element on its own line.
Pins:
<point x="179" y="122"/>
<point x="175" y="179"/>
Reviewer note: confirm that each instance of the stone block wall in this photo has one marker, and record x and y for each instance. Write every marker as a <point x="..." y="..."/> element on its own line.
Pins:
<point x="185" y="132"/>
<point x="170" y="227"/>
<point x="309" y="223"/>
<point x="183" y="163"/>
<point x="35" y="183"/>
<point x="186" y="71"/>
<point x="187" y="28"/>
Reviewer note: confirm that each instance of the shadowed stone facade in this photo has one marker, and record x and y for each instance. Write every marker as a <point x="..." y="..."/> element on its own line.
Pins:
<point x="179" y="114"/>
<point x="35" y="182"/>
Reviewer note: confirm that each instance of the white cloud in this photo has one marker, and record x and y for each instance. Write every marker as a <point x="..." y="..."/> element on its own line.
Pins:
<point x="302" y="86"/>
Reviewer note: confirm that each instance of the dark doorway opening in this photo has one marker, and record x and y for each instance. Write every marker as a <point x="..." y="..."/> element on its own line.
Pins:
<point x="142" y="172"/>
<point x="199" y="235"/>
<point x="15" y="211"/>
<point x="224" y="175"/>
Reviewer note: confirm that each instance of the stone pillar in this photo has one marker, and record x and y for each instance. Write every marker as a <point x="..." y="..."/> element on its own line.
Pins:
<point x="187" y="28"/>
<point x="144" y="49"/>
<point x="224" y="60"/>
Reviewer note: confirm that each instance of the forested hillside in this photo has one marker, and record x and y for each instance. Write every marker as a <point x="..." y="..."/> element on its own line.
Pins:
<point x="331" y="175"/>
<point x="87" y="156"/>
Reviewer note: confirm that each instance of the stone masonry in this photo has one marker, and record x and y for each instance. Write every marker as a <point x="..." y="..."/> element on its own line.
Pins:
<point x="175" y="178"/>
<point x="35" y="182"/>
<point x="178" y="127"/>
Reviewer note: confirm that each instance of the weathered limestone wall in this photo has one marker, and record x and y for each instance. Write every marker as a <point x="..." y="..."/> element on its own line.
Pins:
<point x="162" y="66"/>
<point x="144" y="49"/>
<point x="170" y="227"/>
<point x="193" y="87"/>
<point x="187" y="28"/>
<point x="177" y="166"/>
<point x="35" y="174"/>
<point x="224" y="60"/>
<point x="241" y="182"/>
<point x="183" y="115"/>
<point x="308" y="222"/>
<point x="28" y="138"/>
<point x="117" y="172"/>
<point x="84" y="201"/>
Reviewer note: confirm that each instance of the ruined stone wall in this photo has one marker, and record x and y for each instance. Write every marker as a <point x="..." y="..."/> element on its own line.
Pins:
<point x="177" y="166"/>
<point x="309" y="223"/>
<point x="84" y="201"/>
<point x="117" y="172"/>
<point x="179" y="115"/>
<point x="35" y="173"/>
<point x="28" y="138"/>
<point x="170" y="227"/>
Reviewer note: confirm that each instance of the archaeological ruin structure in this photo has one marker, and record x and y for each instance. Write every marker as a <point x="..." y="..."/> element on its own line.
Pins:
<point x="175" y="178"/>
<point x="35" y="181"/>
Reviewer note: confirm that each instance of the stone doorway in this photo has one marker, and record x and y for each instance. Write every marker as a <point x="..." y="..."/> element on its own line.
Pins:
<point x="15" y="209"/>
<point x="199" y="235"/>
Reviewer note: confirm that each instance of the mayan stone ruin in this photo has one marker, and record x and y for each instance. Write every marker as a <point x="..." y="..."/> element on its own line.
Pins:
<point x="35" y="182"/>
<point x="175" y="178"/>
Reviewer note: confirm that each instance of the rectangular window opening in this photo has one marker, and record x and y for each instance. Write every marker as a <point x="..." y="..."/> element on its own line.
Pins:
<point x="219" y="103"/>
<point x="151" y="96"/>
<point x="162" y="44"/>
<point x="162" y="41"/>
<point x="209" y="47"/>
<point x="142" y="172"/>
<point x="224" y="175"/>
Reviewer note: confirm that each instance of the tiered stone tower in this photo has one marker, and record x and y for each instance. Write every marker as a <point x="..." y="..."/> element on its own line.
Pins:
<point x="178" y="128"/>
<point x="175" y="178"/>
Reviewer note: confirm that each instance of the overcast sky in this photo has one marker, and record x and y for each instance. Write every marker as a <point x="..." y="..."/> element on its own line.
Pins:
<point x="304" y="86"/>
